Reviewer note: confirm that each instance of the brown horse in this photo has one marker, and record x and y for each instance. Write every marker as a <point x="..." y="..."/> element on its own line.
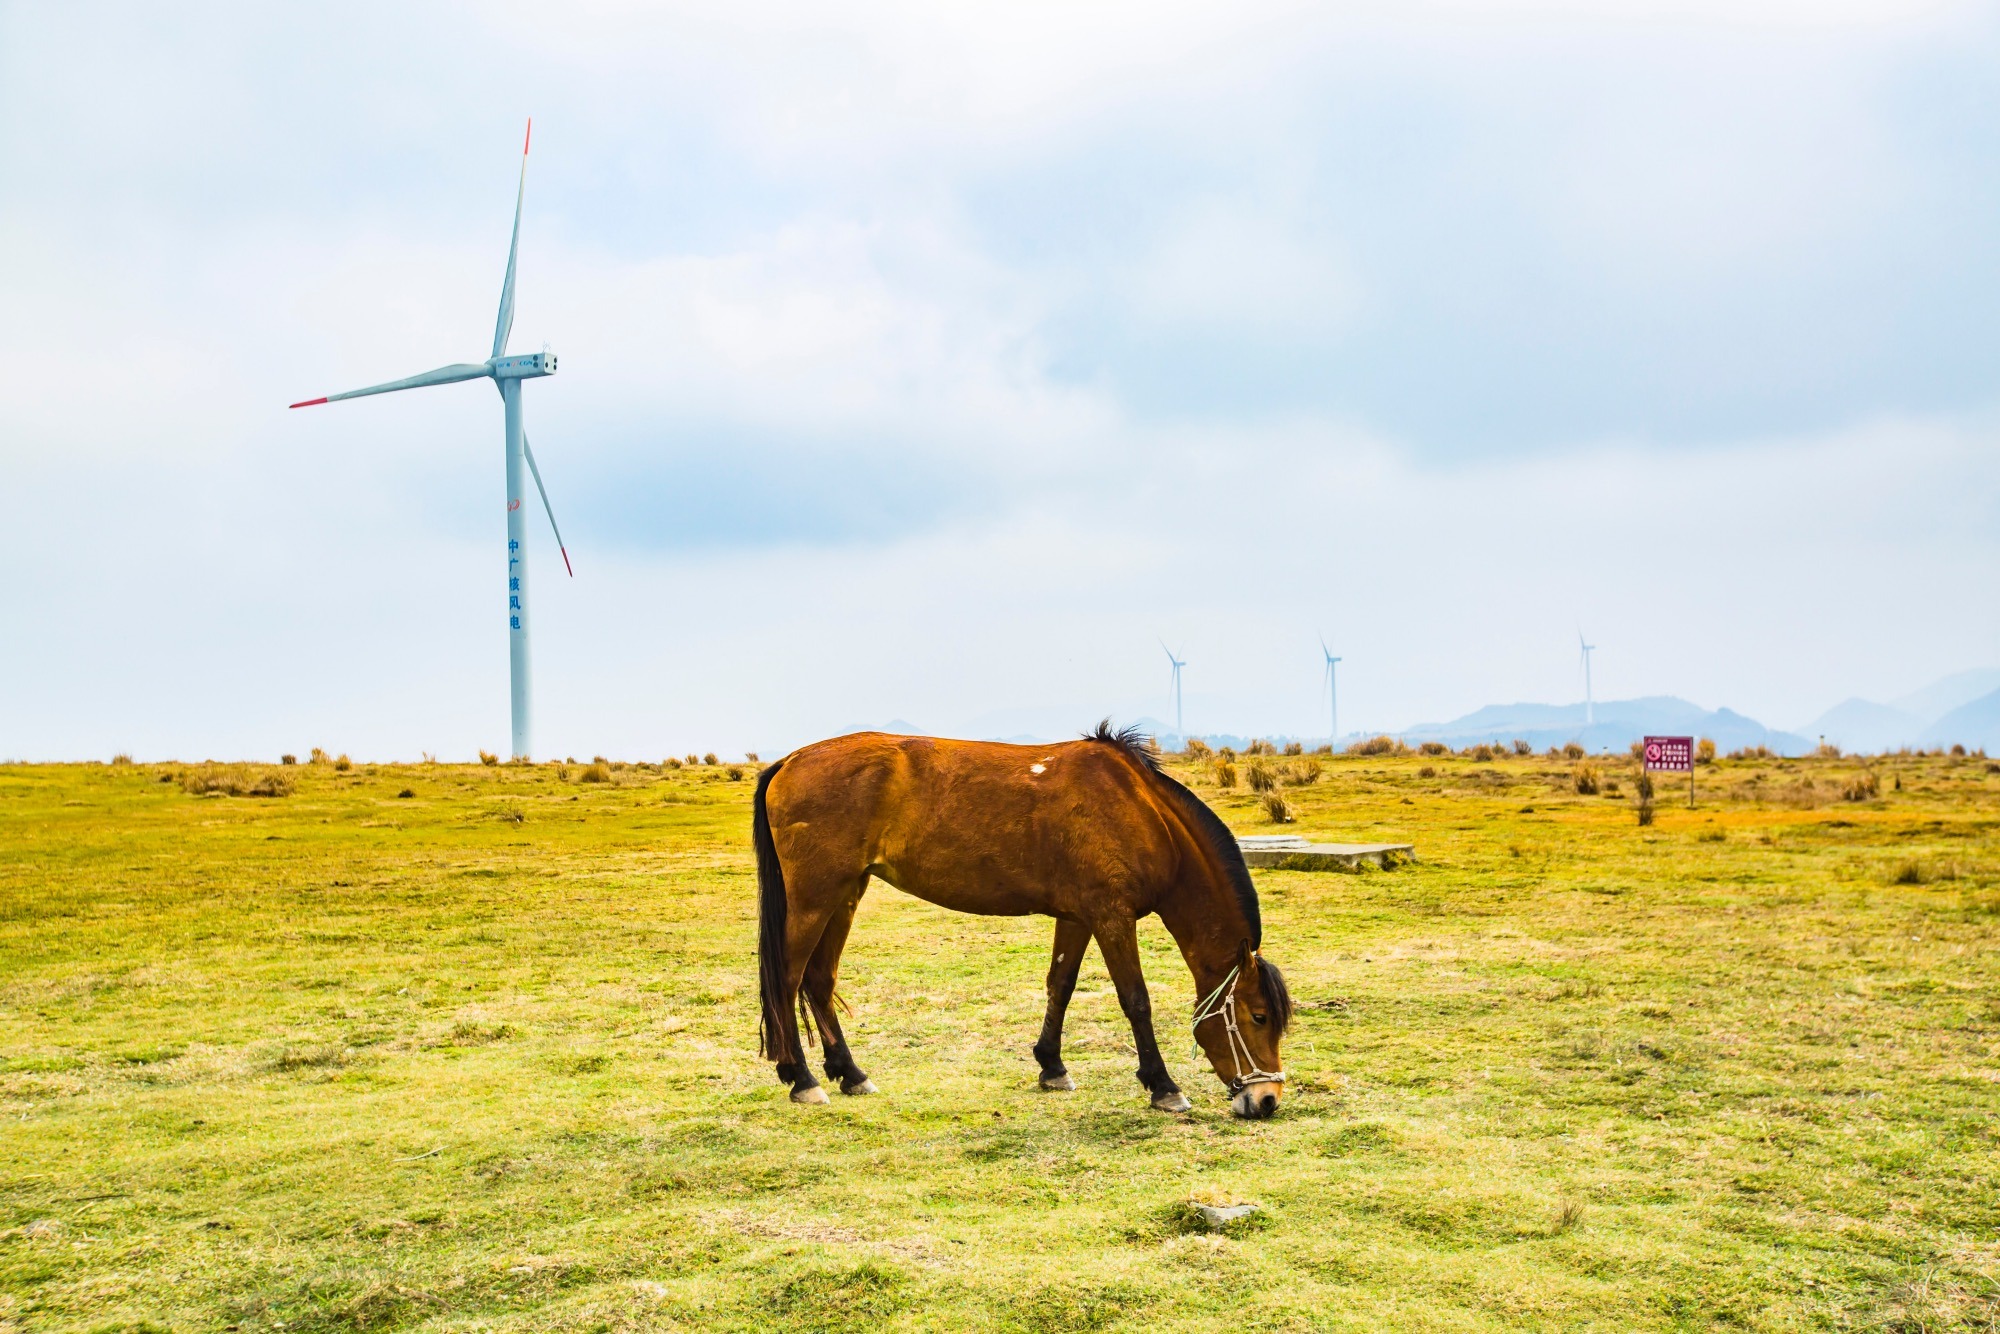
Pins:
<point x="1089" y="832"/>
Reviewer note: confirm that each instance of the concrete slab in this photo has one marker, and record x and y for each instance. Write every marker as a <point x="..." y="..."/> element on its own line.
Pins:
<point x="1295" y="852"/>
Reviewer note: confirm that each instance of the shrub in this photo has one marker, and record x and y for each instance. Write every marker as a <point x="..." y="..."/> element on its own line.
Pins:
<point x="735" y="772"/>
<point x="1704" y="751"/>
<point x="1645" y="813"/>
<point x="122" y="759"/>
<point x="1638" y="750"/>
<point x="693" y="760"/>
<point x="1481" y="754"/>
<point x="1826" y="751"/>
<point x="288" y="759"/>
<point x="1263" y="747"/>
<point x="670" y="763"/>
<point x="1225" y="773"/>
<point x="406" y="792"/>
<point x="236" y="780"/>
<point x="342" y="764"/>
<point x="1227" y="753"/>
<point x="1259" y="775"/>
<point x="1434" y="748"/>
<point x="1380" y="745"/>
<point x="1195" y="748"/>
<point x="320" y="757"/>
<point x="1957" y="751"/>
<point x="1644" y="787"/>
<point x="1867" y="786"/>
<point x="594" y="772"/>
<point x="1302" y="773"/>
<point x="1428" y="771"/>
<point x="488" y="758"/>
<point x="1611" y="788"/>
<point x="751" y="756"/>
<point x="1586" y="779"/>
<point x="1324" y="748"/>
<point x="1574" y="751"/>
<point x="1277" y="809"/>
<point x="1291" y="748"/>
<point x="708" y="758"/>
<point x="1522" y="748"/>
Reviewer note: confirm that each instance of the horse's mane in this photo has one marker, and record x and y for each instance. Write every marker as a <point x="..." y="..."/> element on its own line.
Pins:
<point x="1205" y="823"/>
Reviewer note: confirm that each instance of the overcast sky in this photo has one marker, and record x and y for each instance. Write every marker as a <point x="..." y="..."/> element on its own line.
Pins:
<point x="930" y="365"/>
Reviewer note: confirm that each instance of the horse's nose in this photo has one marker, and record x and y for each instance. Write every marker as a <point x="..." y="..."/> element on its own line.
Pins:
<point x="1256" y="1102"/>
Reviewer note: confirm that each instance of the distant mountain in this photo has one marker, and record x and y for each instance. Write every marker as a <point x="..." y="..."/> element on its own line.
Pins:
<point x="1976" y="724"/>
<point x="1615" y="725"/>
<point x="1863" y="725"/>
<point x="1917" y="719"/>
<point x="1938" y="698"/>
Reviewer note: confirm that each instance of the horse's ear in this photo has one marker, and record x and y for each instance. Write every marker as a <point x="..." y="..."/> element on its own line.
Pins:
<point x="1243" y="954"/>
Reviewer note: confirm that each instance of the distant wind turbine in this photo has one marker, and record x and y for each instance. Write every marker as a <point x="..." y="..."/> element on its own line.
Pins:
<point x="1332" y="694"/>
<point x="1588" y="649"/>
<point x="507" y="373"/>
<point x="1178" y="664"/>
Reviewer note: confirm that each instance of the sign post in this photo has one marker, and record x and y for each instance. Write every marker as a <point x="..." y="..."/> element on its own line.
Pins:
<point x="1673" y="755"/>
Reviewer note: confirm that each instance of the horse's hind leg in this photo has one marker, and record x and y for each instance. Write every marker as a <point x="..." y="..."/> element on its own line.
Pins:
<point x="822" y="971"/>
<point x="1065" y="958"/>
<point x="1119" y="942"/>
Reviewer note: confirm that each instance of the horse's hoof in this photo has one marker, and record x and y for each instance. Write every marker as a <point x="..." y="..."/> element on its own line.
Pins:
<point x="809" y="1097"/>
<point x="1176" y="1101"/>
<point x="857" y="1090"/>
<point x="1058" y="1084"/>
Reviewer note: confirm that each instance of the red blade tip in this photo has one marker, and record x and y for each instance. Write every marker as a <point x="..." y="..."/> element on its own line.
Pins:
<point x="528" y="136"/>
<point x="566" y="564"/>
<point x="311" y="402"/>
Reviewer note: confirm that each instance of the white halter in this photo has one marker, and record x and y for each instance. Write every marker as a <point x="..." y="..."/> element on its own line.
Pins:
<point x="1222" y="1001"/>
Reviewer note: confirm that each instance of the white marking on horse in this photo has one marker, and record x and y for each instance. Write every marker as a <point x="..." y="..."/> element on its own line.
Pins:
<point x="1037" y="768"/>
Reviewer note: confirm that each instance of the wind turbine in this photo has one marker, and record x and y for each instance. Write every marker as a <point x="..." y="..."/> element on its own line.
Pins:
<point x="507" y="373"/>
<point x="1588" y="649"/>
<point x="1178" y="664"/>
<point x="1332" y="695"/>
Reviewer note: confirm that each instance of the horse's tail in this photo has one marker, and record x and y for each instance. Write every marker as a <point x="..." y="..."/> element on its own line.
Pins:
<point x="773" y="964"/>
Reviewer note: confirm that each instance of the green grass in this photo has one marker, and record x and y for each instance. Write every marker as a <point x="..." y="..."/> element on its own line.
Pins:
<point x="484" y="1057"/>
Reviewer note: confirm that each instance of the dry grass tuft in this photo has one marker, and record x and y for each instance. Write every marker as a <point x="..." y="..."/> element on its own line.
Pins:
<point x="1481" y="754"/>
<point x="488" y="758"/>
<point x="319" y="756"/>
<point x="1260" y="747"/>
<point x="1195" y="748"/>
<point x="709" y="758"/>
<point x="1867" y="786"/>
<point x="236" y="780"/>
<point x="122" y="760"/>
<point x="735" y="772"/>
<point x="1291" y="748"/>
<point x="341" y="764"/>
<point x="1428" y="771"/>
<point x="1574" y="751"/>
<point x="1225" y="773"/>
<point x="1522" y="748"/>
<point x="1302" y="773"/>
<point x="1259" y="775"/>
<point x="1379" y="745"/>
<point x="1278" y="810"/>
<point x="1434" y="748"/>
<point x="670" y="763"/>
<point x="288" y="759"/>
<point x="594" y="772"/>
<point x="1704" y="751"/>
<point x="1587" y="779"/>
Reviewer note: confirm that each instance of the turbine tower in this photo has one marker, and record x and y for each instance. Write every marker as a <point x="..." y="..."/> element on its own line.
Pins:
<point x="507" y="373"/>
<point x="1178" y="663"/>
<point x="1332" y="695"/>
<point x="1588" y="649"/>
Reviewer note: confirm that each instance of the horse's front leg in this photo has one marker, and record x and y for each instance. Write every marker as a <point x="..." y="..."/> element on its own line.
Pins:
<point x="1120" y="943"/>
<point x="1065" y="958"/>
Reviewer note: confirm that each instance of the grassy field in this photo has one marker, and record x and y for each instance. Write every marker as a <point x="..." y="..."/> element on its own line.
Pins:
<point x="449" y="1047"/>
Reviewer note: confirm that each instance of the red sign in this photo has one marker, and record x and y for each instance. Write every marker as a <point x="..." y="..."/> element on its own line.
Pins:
<point x="1670" y="754"/>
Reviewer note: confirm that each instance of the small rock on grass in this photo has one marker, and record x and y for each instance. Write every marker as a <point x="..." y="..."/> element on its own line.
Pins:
<point x="1219" y="1216"/>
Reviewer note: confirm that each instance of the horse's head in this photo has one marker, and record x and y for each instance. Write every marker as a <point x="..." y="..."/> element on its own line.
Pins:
<point x="1238" y="1026"/>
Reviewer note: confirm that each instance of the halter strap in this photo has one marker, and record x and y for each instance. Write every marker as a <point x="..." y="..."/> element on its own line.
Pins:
<point x="1222" y="1001"/>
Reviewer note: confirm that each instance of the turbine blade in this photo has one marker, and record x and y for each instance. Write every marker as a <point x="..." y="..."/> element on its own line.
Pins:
<point x="464" y="370"/>
<point x="547" y="508"/>
<point x="505" y="324"/>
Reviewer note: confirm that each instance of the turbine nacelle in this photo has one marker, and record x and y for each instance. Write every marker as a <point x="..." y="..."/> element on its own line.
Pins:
<point x="523" y="366"/>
